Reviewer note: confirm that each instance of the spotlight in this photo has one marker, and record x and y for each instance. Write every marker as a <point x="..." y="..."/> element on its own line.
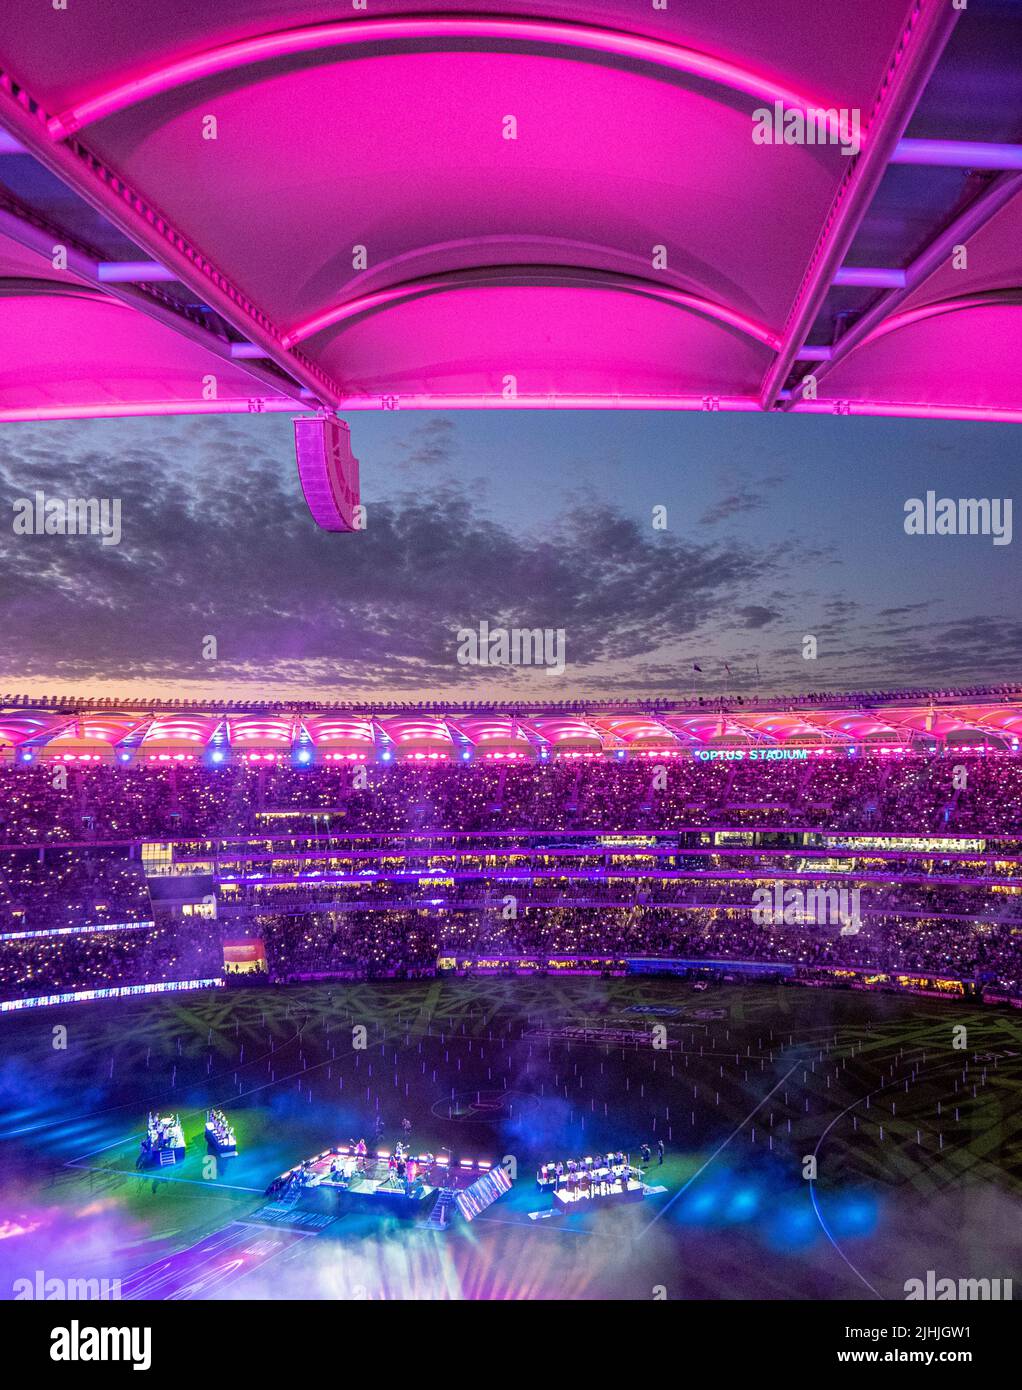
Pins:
<point x="216" y="757"/>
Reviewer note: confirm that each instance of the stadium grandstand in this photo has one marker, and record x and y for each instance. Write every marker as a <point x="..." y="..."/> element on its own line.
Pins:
<point x="718" y="995"/>
<point x="144" y="849"/>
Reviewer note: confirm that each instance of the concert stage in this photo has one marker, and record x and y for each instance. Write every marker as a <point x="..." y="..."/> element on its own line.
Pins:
<point x="164" y="1141"/>
<point x="339" y="1180"/>
<point x="220" y="1136"/>
<point x="584" y="1183"/>
<point x="569" y="1200"/>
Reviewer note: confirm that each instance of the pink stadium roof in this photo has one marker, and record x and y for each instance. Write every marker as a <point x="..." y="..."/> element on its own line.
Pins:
<point x="532" y="732"/>
<point x="632" y="246"/>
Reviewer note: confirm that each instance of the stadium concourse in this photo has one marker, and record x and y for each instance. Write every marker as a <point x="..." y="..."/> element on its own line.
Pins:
<point x="878" y="844"/>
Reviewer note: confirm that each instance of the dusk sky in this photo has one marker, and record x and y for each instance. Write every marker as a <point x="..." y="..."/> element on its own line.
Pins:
<point x="777" y="527"/>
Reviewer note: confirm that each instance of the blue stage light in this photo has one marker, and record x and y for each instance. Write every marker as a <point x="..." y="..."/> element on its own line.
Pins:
<point x="216" y="757"/>
<point x="304" y="756"/>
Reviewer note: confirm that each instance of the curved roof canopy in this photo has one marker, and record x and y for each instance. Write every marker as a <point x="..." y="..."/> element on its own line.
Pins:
<point x="498" y="204"/>
<point x="161" y="735"/>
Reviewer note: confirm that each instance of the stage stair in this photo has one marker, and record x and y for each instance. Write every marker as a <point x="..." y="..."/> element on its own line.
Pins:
<point x="167" y="1158"/>
<point x="440" y="1217"/>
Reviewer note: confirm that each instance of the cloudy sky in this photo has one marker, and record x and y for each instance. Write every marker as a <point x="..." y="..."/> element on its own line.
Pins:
<point x="777" y="527"/>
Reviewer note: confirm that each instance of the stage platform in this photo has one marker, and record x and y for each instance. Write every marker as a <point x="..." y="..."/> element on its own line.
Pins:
<point x="338" y="1181"/>
<point x="223" y="1145"/>
<point x="570" y="1201"/>
<point x="163" y="1144"/>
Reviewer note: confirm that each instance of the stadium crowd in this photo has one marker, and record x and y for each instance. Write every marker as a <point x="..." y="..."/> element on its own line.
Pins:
<point x="399" y="942"/>
<point x="912" y="794"/>
<point x="99" y="960"/>
<point x="966" y="929"/>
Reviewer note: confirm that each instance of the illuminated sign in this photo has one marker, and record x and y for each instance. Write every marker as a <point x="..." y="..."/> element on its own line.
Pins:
<point x="754" y="755"/>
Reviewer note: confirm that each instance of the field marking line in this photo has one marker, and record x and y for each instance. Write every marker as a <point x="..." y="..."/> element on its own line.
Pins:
<point x="719" y="1150"/>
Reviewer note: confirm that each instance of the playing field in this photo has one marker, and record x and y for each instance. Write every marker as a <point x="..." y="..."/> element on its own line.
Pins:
<point x="918" y="1141"/>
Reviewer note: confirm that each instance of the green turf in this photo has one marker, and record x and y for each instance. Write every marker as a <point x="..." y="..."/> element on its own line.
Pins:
<point x="752" y="1081"/>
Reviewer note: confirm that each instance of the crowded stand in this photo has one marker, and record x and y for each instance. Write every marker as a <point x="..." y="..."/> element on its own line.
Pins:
<point x="911" y="794"/>
<point x="57" y="889"/>
<point x="94" y="960"/>
<point x="137" y="868"/>
<point x="404" y="944"/>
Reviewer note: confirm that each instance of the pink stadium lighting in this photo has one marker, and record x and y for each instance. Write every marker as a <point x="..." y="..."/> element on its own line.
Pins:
<point x="898" y="410"/>
<point x="114" y="410"/>
<point x="499" y="279"/>
<point x="523" y="401"/>
<point x="425" y="29"/>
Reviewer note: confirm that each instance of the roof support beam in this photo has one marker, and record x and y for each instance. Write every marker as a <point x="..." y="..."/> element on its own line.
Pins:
<point x="122" y="205"/>
<point x="143" y="409"/>
<point x="958" y="154"/>
<point x="926" y="33"/>
<point x="966" y="225"/>
<point x="35" y="237"/>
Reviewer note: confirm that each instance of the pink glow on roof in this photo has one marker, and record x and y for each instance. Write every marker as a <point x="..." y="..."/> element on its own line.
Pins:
<point x="476" y="268"/>
<point x="345" y="729"/>
<point x="490" y="729"/>
<point x="562" y="729"/>
<point x="416" y="730"/>
<point x="250" y="730"/>
<point x="356" y="735"/>
<point x="429" y="29"/>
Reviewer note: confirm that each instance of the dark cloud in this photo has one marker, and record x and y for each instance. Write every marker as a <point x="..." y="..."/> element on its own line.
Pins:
<point x="217" y="541"/>
<point x="745" y="496"/>
<point x="225" y="547"/>
<point x="430" y="444"/>
<point x="754" y="615"/>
